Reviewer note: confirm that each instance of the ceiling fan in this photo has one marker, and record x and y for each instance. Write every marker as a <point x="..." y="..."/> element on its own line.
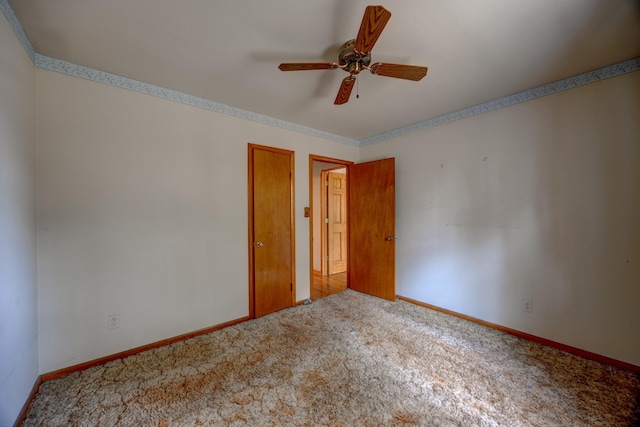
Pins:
<point x="355" y="56"/>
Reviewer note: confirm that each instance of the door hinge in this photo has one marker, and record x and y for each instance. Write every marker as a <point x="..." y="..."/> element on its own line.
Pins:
<point x="326" y="220"/>
<point x="326" y="183"/>
<point x="327" y="258"/>
<point x="291" y="289"/>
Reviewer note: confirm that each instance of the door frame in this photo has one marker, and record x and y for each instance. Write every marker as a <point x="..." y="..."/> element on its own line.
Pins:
<point x="339" y="163"/>
<point x="251" y="234"/>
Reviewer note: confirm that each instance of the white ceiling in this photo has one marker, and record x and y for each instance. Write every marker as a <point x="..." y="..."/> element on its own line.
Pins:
<point x="229" y="51"/>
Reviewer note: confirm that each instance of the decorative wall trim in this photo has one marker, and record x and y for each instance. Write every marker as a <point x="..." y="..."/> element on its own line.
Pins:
<point x="121" y="355"/>
<point x="614" y="70"/>
<point x="544" y="341"/>
<point x="64" y="67"/>
<point x="27" y="404"/>
<point x="8" y="13"/>
<point x="106" y="359"/>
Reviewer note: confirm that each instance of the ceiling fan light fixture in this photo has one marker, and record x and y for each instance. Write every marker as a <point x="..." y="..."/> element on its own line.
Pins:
<point x="352" y="61"/>
<point x="355" y="56"/>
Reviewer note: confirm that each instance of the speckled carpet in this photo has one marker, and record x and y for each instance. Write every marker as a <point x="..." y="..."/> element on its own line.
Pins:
<point x="346" y="360"/>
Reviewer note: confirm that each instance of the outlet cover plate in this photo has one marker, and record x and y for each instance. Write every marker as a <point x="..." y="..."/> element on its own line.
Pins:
<point x="113" y="321"/>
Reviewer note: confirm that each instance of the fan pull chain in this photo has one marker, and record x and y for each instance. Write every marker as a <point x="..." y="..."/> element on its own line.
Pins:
<point x="357" y="88"/>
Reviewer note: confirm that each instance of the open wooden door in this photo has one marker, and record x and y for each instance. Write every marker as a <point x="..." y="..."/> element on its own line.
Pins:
<point x="372" y="246"/>
<point x="271" y="230"/>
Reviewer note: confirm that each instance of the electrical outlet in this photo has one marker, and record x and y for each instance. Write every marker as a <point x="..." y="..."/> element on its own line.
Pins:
<point x="113" y="321"/>
<point x="527" y="305"/>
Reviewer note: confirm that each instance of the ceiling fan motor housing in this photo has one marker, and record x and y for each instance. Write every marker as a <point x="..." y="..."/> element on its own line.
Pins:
<point x="352" y="61"/>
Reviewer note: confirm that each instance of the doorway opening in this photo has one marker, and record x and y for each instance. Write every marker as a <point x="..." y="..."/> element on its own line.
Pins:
<point x="328" y="183"/>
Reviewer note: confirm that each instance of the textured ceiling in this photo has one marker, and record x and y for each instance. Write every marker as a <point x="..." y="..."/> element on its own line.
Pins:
<point x="229" y="51"/>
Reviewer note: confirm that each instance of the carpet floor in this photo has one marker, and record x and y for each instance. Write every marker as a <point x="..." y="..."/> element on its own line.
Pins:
<point x="345" y="360"/>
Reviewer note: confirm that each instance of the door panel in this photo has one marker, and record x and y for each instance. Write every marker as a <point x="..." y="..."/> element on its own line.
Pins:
<point x="271" y="231"/>
<point x="337" y="226"/>
<point x="372" y="249"/>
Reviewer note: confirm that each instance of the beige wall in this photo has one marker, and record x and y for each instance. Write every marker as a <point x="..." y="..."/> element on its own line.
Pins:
<point x="18" y="304"/>
<point x="142" y="209"/>
<point x="537" y="201"/>
<point x="142" y="212"/>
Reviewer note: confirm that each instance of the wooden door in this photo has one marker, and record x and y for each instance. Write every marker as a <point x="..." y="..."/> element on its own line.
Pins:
<point x="372" y="248"/>
<point x="337" y="222"/>
<point x="271" y="225"/>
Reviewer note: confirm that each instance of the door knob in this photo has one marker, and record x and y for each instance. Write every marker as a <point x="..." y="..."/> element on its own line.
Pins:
<point x="259" y="244"/>
<point x="390" y="238"/>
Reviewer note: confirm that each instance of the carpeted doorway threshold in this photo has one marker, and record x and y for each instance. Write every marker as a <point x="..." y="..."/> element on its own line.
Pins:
<point x="345" y="360"/>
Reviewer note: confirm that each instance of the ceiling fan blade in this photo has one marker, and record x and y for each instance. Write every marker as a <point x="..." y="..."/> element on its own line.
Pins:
<point x="373" y="22"/>
<point x="400" y="71"/>
<point x="303" y="66"/>
<point x="345" y="90"/>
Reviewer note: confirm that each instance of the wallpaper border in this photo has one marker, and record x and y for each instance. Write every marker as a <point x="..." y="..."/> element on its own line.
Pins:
<point x="15" y="24"/>
<point x="57" y="65"/>
<point x="64" y="67"/>
<point x="614" y="70"/>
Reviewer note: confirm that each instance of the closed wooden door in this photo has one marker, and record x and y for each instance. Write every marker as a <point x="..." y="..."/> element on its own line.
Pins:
<point x="271" y="236"/>
<point x="372" y="247"/>
<point x="337" y="222"/>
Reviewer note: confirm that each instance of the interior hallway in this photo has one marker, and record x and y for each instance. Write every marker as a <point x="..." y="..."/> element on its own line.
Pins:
<point x="323" y="286"/>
